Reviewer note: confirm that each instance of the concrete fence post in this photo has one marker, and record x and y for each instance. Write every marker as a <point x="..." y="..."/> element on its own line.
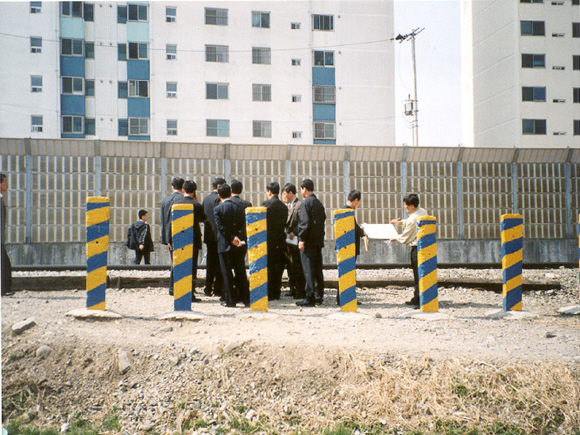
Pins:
<point x="511" y="260"/>
<point x="28" y="161"/>
<point x="182" y="236"/>
<point x="427" y="262"/>
<point x="346" y="257"/>
<point x="97" y="216"/>
<point x="256" y="231"/>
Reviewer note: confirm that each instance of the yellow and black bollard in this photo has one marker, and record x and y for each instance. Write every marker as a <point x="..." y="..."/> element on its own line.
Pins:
<point x="98" y="216"/>
<point x="511" y="260"/>
<point x="427" y="263"/>
<point x="346" y="258"/>
<point x="256" y="229"/>
<point x="182" y="235"/>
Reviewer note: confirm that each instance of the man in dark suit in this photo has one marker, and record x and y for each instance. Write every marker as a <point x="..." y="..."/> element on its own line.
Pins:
<point x="230" y="221"/>
<point x="353" y="201"/>
<point x="237" y="188"/>
<point x="213" y="277"/>
<point x="5" y="260"/>
<point x="189" y="197"/>
<point x="310" y="243"/>
<point x="294" y="263"/>
<point x="277" y="214"/>
<point x="166" y="239"/>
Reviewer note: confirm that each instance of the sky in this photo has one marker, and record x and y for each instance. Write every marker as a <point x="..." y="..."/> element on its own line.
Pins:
<point x="438" y="59"/>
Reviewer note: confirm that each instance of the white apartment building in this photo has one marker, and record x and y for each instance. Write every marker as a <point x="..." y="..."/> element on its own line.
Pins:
<point x="521" y="73"/>
<point x="296" y="72"/>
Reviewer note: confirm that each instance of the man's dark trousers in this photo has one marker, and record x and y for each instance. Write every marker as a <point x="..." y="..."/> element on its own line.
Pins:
<point x="415" y="267"/>
<point x="213" y="274"/>
<point x="312" y="265"/>
<point x="235" y="288"/>
<point x="276" y="264"/>
<point x="295" y="272"/>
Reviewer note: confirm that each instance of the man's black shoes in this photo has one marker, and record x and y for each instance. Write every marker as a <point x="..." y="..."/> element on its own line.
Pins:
<point x="413" y="302"/>
<point x="305" y="303"/>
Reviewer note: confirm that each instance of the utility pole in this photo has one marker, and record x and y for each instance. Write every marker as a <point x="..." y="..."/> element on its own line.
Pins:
<point x="413" y="109"/>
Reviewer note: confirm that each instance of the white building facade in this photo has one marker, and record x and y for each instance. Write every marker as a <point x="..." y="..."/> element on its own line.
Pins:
<point x="284" y="72"/>
<point x="521" y="73"/>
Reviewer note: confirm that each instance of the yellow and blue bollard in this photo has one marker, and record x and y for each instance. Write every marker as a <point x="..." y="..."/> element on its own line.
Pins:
<point x="346" y="258"/>
<point x="256" y="230"/>
<point x="98" y="216"/>
<point x="511" y="260"/>
<point x="427" y="264"/>
<point x="182" y="235"/>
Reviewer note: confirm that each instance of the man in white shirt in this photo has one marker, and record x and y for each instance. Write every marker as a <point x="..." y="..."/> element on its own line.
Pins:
<point x="409" y="237"/>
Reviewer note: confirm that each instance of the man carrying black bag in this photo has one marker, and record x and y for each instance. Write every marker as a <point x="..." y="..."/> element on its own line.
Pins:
<point x="139" y="239"/>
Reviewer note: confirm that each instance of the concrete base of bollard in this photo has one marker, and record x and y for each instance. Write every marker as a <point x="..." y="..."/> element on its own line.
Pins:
<point x="420" y="315"/>
<point x="345" y="315"/>
<point x="258" y="315"/>
<point x="510" y="315"/>
<point x="572" y="310"/>
<point x="85" y="313"/>
<point x="182" y="315"/>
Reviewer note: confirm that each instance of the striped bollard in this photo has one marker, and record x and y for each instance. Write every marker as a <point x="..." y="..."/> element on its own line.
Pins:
<point x="427" y="261"/>
<point x="346" y="258"/>
<point x="511" y="260"/>
<point x="182" y="235"/>
<point x="257" y="257"/>
<point x="98" y="216"/>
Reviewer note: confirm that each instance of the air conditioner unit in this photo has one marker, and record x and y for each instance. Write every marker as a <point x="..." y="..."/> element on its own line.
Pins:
<point x="36" y="89"/>
<point x="171" y="132"/>
<point x="559" y="133"/>
<point x="170" y="19"/>
<point x="559" y="68"/>
<point x="170" y="56"/>
<point x="172" y="95"/>
<point x="36" y="50"/>
<point x="37" y="128"/>
<point x="558" y="100"/>
<point x="558" y="35"/>
<point x="35" y="10"/>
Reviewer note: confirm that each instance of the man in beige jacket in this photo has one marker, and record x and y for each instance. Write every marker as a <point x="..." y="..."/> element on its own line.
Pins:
<point x="409" y="237"/>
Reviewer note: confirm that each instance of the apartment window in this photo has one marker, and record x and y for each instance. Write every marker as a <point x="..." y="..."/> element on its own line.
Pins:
<point x="576" y="62"/>
<point x="295" y="62"/>
<point x="217" y="127"/>
<point x="218" y="17"/>
<point x="324" y="130"/>
<point x="577" y="127"/>
<point x="36" y="123"/>
<point x="171" y="51"/>
<point x="296" y="98"/>
<point x="122" y="52"/>
<point x="324" y="58"/>
<point x="137" y="13"/>
<point x="323" y="22"/>
<point x="262" y="128"/>
<point x="72" y="124"/>
<point x="171" y="89"/>
<point x="90" y="126"/>
<point x="533" y="28"/>
<point x="89" y="12"/>
<point x="138" y="126"/>
<point x="123" y="127"/>
<point x="72" y="47"/>
<point x="121" y="18"/>
<point x="89" y="50"/>
<point x="261" y="19"/>
<point x="170" y="14"/>
<point x="71" y="9"/>
<point x="261" y="92"/>
<point x="261" y="55"/>
<point x="73" y="86"/>
<point x="533" y="60"/>
<point x="216" y="53"/>
<point x="296" y="135"/>
<point x="576" y="2"/>
<point x="324" y="94"/>
<point x="216" y="91"/>
<point x="172" y="127"/>
<point x="35" y="45"/>
<point x="577" y="95"/>
<point x="295" y="26"/>
<point x="89" y="88"/>
<point x="35" y="7"/>
<point x="534" y="126"/>
<point x="575" y="30"/>
<point x="533" y="93"/>
<point x="122" y="90"/>
<point x="138" y="50"/>
<point x="36" y="84"/>
<point x="139" y="88"/>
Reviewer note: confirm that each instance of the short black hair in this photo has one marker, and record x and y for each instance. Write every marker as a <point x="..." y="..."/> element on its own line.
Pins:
<point x="411" y="199"/>
<point x="308" y="184"/>
<point x="177" y="183"/>
<point x="237" y="187"/>
<point x="217" y="182"/>
<point x="224" y="191"/>
<point x="273" y="187"/>
<point x="2" y="177"/>
<point x="189" y="186"/>
<point x="142" y="213"/>
<point x="289" y="188"/>
<point x="354" y="194"/>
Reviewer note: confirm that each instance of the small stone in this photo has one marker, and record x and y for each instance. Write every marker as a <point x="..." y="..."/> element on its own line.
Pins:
<point x="64" y="428"/>
<point x="378" y="316"/>
<point x="43" y="351"/>
<point x="550" y="335"/>
<point x="20" y="327"/>
<point x="174" y="360"/>
<point x="124" y="364"/>
<point x="251" y="414"/>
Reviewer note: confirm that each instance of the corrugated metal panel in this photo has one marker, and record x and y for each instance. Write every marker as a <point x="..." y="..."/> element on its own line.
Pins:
<point x="12" y="147"/>
<point x="376" y="154"/>
<point x="488" y="155"/>
<point x="318" y="153"/>
<point x="257" y="152"/>
<point x="432" y="154"/>
<point x="537" y="155"/>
